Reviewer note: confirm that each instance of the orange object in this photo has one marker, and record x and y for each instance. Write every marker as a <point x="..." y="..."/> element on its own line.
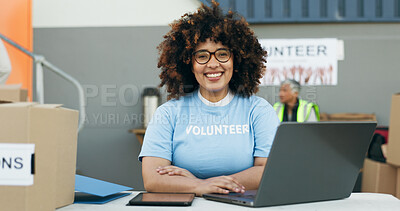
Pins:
<point x="16" y="24"/>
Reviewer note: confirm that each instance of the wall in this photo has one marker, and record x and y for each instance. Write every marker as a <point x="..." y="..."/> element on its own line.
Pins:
<point x="108" y="13"/>
<point x="116" y="61"/>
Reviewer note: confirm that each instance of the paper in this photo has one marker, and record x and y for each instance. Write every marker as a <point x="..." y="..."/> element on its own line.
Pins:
<point x="312" y="61"/>
<point x="94" y="191"/>
<point x="85" y="198"/>
<point x="16" y="164"/>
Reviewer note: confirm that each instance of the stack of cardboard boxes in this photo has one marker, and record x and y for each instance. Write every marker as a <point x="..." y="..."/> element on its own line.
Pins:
<point x="385" y="177"/>
<point x="53" y="130"/>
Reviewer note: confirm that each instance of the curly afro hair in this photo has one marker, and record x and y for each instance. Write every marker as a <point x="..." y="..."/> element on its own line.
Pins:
<point x="231" y="30"/>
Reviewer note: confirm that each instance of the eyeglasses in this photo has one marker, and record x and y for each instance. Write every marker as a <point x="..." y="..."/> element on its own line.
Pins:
<point x="203" y="56"/>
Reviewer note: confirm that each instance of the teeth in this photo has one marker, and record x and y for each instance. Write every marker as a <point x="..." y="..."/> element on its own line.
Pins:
<point x="213" y="75"/>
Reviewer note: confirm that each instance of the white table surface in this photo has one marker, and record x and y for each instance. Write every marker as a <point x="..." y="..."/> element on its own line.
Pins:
<point x="357" y="201"/>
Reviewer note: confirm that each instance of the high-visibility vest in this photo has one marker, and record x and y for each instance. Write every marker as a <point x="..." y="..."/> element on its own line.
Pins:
<point x="303" y="111"/>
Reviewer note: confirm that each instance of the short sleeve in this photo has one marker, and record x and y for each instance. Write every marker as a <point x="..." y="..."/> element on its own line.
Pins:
<point x="265" y="123"/>
<point x="158" y="138"/>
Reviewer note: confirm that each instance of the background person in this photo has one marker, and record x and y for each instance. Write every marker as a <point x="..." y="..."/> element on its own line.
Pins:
<point x="5" y="64"/>
<point x="214" y="135"/>
<point x="291" y="108"/>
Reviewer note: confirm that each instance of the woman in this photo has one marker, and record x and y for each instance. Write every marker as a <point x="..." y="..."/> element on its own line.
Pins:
<point x="214" y="136"/>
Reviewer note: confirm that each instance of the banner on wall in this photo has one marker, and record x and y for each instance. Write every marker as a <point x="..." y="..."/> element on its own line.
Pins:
<point x="308" y="61"/>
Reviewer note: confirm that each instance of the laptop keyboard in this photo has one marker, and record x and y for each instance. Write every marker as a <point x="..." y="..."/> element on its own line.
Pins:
<point x="246" y="196"/>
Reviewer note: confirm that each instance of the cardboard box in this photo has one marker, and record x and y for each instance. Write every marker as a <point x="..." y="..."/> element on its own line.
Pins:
<point x="347" y="117"/>
<point x="53" y="130"/>
<point x="378" y="177"/>
<point x="393" y="156"/>
<point x="13" y="93"/>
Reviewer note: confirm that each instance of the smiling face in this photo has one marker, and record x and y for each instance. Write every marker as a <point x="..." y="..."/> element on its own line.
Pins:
<point x="213" y="76"/>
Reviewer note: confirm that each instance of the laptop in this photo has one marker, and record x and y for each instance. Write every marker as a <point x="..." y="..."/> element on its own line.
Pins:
<point x="309" y="162"/>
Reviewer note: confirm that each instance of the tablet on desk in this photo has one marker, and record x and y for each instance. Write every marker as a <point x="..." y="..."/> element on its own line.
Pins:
<point x="163" y="199"/>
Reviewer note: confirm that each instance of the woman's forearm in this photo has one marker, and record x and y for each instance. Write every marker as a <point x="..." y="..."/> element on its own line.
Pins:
<point x="166" y="183"/>
<point x="155" y="182"/>
<point x="250" y="177"/>
<point x="160" y="176"/>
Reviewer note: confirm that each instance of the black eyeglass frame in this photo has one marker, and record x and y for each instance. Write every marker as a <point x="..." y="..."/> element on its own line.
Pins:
<point x="212" y="53"/>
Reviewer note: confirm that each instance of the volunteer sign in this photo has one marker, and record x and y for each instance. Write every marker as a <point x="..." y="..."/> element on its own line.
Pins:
<point x="308" y="61"/>
<point x="16" y="164"/>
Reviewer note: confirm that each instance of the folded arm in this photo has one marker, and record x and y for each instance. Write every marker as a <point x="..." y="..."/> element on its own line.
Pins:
<point x="155" y="182"/>
<point x="247" y="179"/>
<point x="157" y="179"/>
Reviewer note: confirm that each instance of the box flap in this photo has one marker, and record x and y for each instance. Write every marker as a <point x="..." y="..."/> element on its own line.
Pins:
<point x="57" y="107"/>
<point x="18" y="104"/>
<point x="48" y="105"/>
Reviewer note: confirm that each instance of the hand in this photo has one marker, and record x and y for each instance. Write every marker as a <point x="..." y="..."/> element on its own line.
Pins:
<point x="174" y="171"/>
<point x="293" y="71"/>
<point x="274" y="73"/>
<point x="321" y="74"/>
<point x="300" y="70"/>
<point x="221" y="184"/>
<point x="285" y="73"/>
<point x="309" y="73"/>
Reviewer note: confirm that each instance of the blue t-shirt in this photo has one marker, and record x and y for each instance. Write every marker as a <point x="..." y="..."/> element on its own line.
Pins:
<point x="211" y="141"/>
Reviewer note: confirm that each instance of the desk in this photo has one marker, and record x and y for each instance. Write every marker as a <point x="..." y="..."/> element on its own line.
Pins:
<point x="139" y="134"/>
<point x="357" y="201"/>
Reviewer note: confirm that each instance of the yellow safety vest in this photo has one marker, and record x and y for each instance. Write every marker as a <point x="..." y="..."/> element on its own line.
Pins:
<point x="303" y="111"/>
